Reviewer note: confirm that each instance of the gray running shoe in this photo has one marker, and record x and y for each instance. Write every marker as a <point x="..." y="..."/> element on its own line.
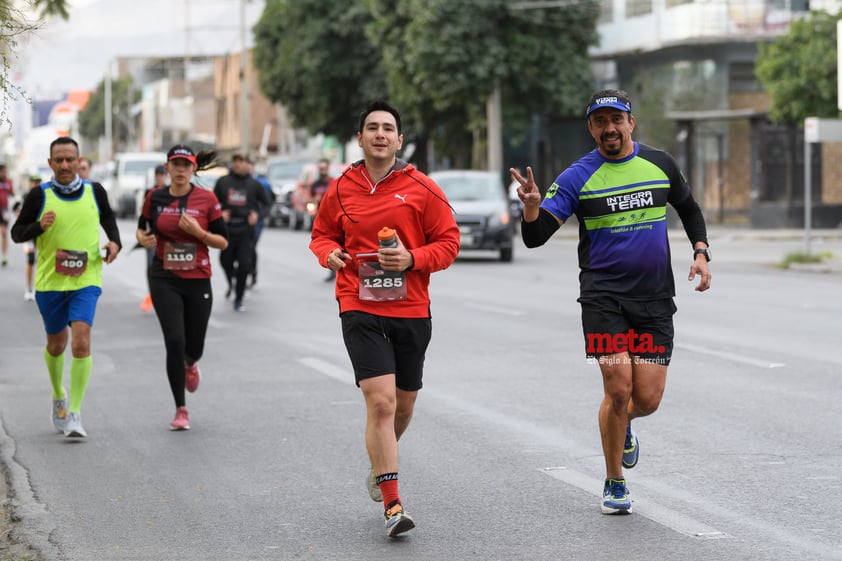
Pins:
<point x="398" y="521"/>
<point x="73" y="428"/>
<point x="374" y="489"/>
<point x="59" y="414"/>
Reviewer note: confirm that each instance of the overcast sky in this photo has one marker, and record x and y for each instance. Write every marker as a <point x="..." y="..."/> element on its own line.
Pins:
<point x="75" y="54"/>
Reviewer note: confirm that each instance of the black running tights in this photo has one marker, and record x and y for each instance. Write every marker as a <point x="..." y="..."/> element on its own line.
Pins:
<point x="183" y="307"/>
<point x="236" y="258"/>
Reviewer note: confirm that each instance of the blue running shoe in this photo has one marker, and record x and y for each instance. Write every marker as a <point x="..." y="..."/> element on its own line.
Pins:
<point x="615" y="497"/>
<point x="631" y="449"/>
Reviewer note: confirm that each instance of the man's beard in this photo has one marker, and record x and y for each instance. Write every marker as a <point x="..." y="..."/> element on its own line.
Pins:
<point x="612" y="151"/>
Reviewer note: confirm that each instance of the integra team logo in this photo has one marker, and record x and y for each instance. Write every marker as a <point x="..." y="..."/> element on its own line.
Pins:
<point x="630" y="201"/>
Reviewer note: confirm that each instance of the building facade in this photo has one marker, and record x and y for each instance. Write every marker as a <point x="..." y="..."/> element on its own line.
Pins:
<point x="689" y="67"/>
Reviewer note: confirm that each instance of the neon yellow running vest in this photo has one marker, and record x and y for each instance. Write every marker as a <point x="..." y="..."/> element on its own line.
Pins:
<point x="76" y="228"/>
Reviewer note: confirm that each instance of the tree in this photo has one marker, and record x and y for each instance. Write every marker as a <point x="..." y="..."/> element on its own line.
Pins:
<point x="445" y="57"/>
<point x="799" y="70"/>
<point x="51" y="8"/>
<point x="312" y="57"/>
<point x="92" y="118"/>
<point x="437" y="60"/>
<point x="13" y="25"/>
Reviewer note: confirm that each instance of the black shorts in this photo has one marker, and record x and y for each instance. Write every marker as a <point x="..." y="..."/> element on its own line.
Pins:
<point x="613" y="325"/>
<point x="380" y="345"/>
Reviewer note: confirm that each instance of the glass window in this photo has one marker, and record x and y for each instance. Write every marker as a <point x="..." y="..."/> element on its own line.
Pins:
<point x="638" y="7"/>
<point x="606" y="11"/>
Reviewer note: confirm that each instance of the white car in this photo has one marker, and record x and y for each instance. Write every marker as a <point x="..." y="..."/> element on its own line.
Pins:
<point x="130" y="180"/>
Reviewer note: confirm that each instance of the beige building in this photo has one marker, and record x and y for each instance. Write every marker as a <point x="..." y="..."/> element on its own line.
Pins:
<point x="199" y="101"/>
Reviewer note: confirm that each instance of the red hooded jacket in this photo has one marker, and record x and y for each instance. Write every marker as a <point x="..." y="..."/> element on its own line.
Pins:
<point x="354" y="209"/>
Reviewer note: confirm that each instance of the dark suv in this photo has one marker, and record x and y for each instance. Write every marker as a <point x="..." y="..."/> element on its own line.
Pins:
<point x="482" y="209"/>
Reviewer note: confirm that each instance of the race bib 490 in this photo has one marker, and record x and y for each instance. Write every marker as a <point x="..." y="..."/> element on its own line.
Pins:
<point x="70" y="262"/>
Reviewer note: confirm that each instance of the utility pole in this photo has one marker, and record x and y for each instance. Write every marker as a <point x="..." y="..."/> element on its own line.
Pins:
<point x="244" y="96"/>
<point x="109" y="130"/>
<point x="494" y="114"/>
<point x="188" y="90"/>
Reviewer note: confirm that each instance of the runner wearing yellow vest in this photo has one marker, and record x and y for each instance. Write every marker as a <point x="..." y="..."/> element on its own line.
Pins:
<point x="63" y="216"/>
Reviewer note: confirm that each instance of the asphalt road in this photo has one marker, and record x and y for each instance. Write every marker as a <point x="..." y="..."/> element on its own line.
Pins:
<point x="502" y="461"/>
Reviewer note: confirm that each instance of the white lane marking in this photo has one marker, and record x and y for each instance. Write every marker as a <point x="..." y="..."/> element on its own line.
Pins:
<point x="662" y="515"/>
<point x="330" y="370"/>
<point x="554" y="438"/>
<point x="495" y="309"/>
<point x="759" y="362"/>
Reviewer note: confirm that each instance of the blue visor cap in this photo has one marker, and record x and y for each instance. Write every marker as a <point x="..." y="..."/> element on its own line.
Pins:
<point x="612" y="101"/>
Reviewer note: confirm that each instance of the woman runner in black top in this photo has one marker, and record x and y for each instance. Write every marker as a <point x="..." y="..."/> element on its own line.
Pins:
<point x="181" y="222"/>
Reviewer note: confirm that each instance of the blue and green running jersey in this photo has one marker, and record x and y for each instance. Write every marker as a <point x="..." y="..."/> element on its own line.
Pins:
<point x="621" y="206"/>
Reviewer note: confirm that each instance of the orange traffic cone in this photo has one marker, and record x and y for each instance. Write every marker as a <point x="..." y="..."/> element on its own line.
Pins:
<point x="146" y="305"/>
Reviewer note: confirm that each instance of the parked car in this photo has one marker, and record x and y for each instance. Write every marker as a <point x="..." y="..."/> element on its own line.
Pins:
<point x="283" y="173"/>
<point x="130" y="180"/>
<point x="482" y="209"/>
<point x="302" y="207"/>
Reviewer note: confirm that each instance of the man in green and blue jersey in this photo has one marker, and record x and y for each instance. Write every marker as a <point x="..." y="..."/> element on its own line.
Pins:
<point x="619" y="193"/>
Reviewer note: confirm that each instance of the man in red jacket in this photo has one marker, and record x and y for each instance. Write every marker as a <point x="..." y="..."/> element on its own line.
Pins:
<point x="384" y="303"/>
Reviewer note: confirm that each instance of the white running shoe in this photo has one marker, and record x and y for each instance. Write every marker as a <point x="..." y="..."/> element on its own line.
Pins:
<point x="373" y="488"/>
<point x="73" y="428"/>
<point x="59" y="414"/>
<point x="398" y="521"/>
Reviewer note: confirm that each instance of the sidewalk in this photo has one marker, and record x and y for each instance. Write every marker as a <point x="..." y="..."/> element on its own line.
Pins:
<point x="728" y="232"/>
<point x="731" y="232"/>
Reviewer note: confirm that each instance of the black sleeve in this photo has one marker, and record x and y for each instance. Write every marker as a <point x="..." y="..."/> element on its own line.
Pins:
<point x="27" y="227"/>
<point x="106" y="216"/>
<point x="218" y="227"/>
<point x="142" y="222"/>
<point x="680" y="195"/>
<point x="692" y="219"/>
<point x="265" y="201"/>
<point x="538" y="232"/>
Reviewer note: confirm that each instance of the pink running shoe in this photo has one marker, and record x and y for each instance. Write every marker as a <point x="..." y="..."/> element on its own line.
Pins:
<point x="182" y="419"/>
<point x="191" y="377"/>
